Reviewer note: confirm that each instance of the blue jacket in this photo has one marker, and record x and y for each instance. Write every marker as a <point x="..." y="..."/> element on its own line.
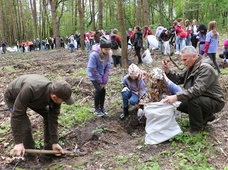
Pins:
<point x="96" y="70"/>
<point x="136" y="86"/>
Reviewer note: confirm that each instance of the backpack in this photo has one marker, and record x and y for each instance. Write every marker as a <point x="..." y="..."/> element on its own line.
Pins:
<point x="114" y="43"/>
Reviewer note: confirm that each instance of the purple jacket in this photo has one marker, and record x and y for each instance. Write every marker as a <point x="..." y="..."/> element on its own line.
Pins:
<point x="96" y="70"/>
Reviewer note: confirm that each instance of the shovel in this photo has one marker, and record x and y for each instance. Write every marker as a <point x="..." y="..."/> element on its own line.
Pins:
<point x="74" y="153"/>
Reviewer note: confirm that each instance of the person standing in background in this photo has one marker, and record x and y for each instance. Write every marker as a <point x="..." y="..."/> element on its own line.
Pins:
<point x="211" y="43"/>
<point x="194" y="40"/>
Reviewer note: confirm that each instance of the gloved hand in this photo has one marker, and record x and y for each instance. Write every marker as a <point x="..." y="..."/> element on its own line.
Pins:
<point x="125" y="89"/>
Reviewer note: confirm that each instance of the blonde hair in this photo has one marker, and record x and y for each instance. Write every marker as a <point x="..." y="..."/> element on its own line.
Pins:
<point x="212" y="27"/>
<point x="101" y="54"/>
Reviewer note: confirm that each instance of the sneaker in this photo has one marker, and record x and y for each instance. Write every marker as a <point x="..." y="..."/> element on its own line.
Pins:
<point x="103" y="111"/>
<point x="122" y="116"/>
<point x="98" y="113"/>
<point x="177" y="53"/>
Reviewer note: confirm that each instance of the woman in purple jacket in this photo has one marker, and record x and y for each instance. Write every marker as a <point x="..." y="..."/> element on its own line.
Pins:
<point x="98" y="71"/>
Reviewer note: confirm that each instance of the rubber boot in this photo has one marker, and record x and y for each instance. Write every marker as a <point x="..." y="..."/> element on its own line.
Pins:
<point x="125" y="113"/>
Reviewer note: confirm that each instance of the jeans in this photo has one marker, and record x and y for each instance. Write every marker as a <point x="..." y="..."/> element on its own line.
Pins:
<point x="198" y="109"/>
<point x="188" y="40"/>
<point x="132" y="97"/>
<point x="99" y="98"/>
<point x="179" y="43"/>
<point x="87" y="43"/>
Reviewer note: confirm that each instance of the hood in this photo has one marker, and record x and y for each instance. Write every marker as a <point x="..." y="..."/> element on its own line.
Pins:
<point x="96" y="47"/>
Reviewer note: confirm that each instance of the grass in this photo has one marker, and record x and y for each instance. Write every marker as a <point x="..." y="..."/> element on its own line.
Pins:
<point x="74" y="114"/>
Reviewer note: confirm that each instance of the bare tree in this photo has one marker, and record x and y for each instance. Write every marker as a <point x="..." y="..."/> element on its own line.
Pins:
<point x="145" y="12"/>
<point x="138" y="13"/>
<point x="81" y="9"/>
<point x="123" y="32"/>
<point x="1" y="22"/>
<point x="55" y="23"/>
<point x="34" y="15"/>
<point x="100" y="14"/>
<point x="93" y="14"/>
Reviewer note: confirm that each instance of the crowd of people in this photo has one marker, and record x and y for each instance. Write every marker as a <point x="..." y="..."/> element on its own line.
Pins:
<point x="201" y="95"/>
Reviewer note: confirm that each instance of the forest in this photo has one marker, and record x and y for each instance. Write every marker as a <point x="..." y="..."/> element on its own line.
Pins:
<point x="108" y="142"/>
<point x="31" y="19"/>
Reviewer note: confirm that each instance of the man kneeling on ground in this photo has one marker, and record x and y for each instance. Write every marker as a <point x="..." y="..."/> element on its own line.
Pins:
<point x="202" y="95"/>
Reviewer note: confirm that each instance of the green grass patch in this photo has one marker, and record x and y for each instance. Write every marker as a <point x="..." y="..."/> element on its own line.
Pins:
<point x="80" y="72"/>
<point x="224" y="71"/>
<point x="9" y="69"/>
<point x="74" y="114"/>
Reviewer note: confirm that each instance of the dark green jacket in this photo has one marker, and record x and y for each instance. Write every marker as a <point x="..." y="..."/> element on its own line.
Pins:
<point x="200" y="80"/>
<point x="32" y="91"/>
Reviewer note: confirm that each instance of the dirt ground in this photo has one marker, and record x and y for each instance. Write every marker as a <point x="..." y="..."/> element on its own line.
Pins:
<point x="103" y="138"/>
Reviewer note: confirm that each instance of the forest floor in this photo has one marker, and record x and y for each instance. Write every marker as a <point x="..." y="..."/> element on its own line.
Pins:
<point x="109" y="142"/>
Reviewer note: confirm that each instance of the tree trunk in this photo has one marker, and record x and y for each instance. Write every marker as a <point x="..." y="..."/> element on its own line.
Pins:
<point x="138" y="13"/>
<point x="23" y="31"/>
<point x="81" y="9"/>
<point x="55" y="24"/>
<point x="123" y="32"/>
<point x="34" y="15"/>
<point x="100" y="14"/>
<point x="145" y="12"/>
<point x="93" y="15"/>
<point x="1" y="24"/>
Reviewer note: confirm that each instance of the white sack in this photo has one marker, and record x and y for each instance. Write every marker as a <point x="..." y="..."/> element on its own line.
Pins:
<point x="166" y="47"/>
<point x="160" y="124"/>
<point x="153" y="42"/>
<point x="10" y="49"/>
<point x="146" y="57"/>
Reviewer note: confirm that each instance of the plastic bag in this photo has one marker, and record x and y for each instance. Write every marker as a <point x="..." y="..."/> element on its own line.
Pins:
<point x="146" y="57"/>
<point x="160" y="124"/>
<point x="166" y="48"/>
<point x="153" y="42"/>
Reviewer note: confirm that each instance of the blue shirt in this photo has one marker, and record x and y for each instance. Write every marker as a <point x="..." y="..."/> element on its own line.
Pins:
<point x="213" y="42"/>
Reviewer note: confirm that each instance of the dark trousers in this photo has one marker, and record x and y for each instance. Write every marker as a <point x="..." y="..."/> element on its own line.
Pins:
<point x="99" y="97"/>
<point x="213" y="58"/>
<point x="28" y="140"/>
<point x="138" y="54"/>
<point x="116" y="60"/>
<point x="198" y="109"/>
<point x="194" y="41"/>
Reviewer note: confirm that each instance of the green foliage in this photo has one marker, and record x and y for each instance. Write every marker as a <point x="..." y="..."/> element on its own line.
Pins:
<point x="80" y="72"/>
<point x="121" y="160"/>
<point x="10" y="69"/>
<point x="74" y="114"/>
<point x="224" y="71"/>
<point x="4" y="129"/>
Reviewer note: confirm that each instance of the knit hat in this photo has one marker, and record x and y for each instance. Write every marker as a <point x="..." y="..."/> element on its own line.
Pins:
<point x="225" y="43"/>
<point x="133" y="70"/>
<point x="63" y="90"/>
<point x="104" y="42"/>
